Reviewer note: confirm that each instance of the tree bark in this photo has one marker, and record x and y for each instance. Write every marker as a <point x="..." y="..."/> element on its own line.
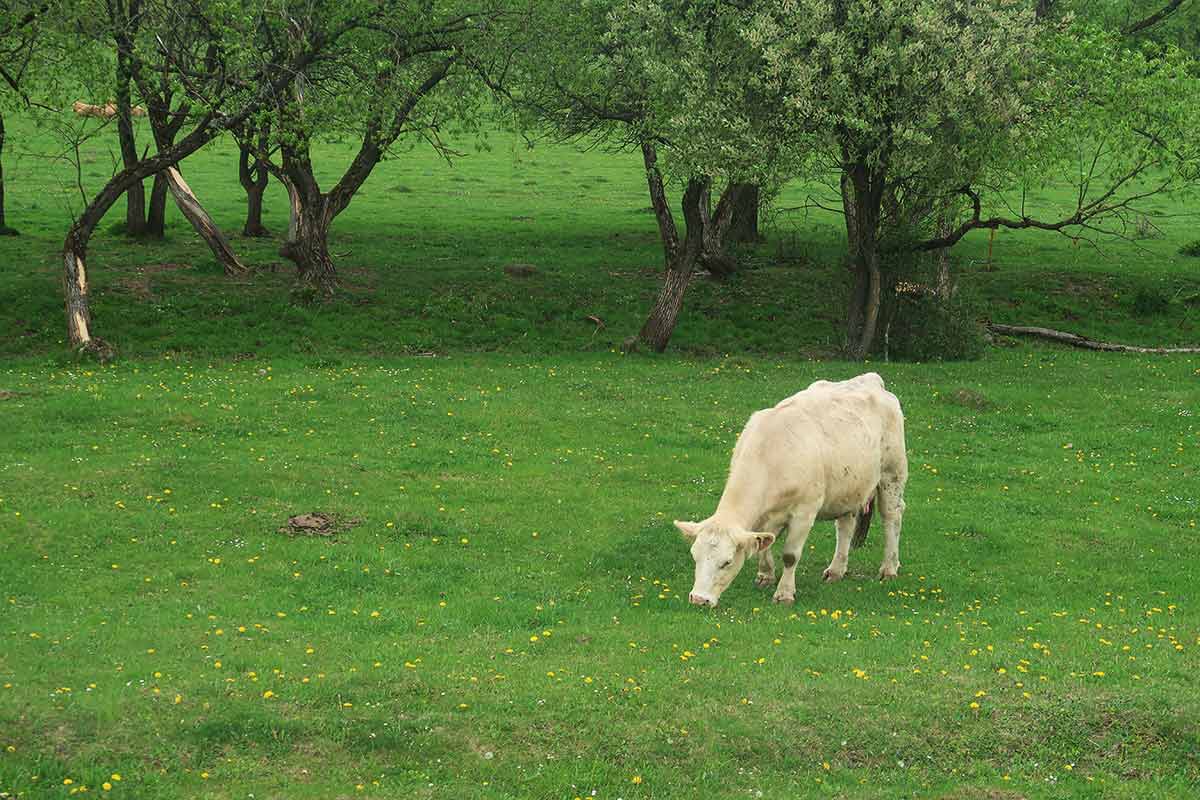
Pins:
<point x="254" y="177"/>
<point x="945" y="280"/>
<point x="668" y="234"/>
<point x="862" y="198"/>
<point x="165" y="127"/>
<point x="75" y="289"/>
<point x="716" y="230"/>
<point x="660" y="325"/>
<point x="308" y="246"/>
<point x="311" y="216"/>
<point x="744" y="225"/>
<point x="156" y="214"/>
<point x="189" y="204"/>
<point x="4" y="229"/>
<point x="135" y="195"/>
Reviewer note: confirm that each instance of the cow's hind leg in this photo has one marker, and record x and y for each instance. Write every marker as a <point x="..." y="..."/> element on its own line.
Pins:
<point x="766" y="569"/>
<point x="798" y="528"/>
<point x="845" y="533"/>
<point x="890" y="500"/>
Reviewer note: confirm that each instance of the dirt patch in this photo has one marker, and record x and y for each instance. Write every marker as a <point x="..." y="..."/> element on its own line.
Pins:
<point x="318" y="523"/>
<point x="969" y="398"/>
<point x="7" y="395"/>
<point x="138" y="284"/>
<point x="983" y="794"/>
<point x="520" y="270"/>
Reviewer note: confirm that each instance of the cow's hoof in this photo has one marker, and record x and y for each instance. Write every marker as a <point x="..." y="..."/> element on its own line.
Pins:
<point x="886" y="574"/>
<point x="763" y="581"/>
<point x="832" y="576"/>
<point x="784" y="598"/>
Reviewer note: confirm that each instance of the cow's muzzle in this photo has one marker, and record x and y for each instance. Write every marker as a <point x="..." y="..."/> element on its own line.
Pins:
<point x="701" y="600"/>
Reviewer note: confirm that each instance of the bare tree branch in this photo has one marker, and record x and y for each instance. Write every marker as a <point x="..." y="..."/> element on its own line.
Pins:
<point x="1152" y="20"/>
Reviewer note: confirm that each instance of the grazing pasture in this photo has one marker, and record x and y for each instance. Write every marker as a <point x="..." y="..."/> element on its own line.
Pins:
<point x="502" y="609"/>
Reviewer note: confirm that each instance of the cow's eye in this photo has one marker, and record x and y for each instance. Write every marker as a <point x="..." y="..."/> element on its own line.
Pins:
<point x="726" y="565"/>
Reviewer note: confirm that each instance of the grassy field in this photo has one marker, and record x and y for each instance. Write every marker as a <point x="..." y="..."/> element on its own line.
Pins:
<point x="503" y="611"/>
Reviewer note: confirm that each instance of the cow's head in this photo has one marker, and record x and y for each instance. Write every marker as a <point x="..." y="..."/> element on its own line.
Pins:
<point x="719" y="553"/>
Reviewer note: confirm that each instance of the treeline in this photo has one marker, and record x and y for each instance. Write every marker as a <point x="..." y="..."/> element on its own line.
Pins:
<point x="924" y="117"/>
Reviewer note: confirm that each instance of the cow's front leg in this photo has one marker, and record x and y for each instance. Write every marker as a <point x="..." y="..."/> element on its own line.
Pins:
<point x="793" y="548"/>
<point x="845" y="532"/>
<point x="766" y="569"/>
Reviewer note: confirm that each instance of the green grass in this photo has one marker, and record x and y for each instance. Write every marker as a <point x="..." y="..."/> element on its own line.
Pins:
<point x="507" y="616"/>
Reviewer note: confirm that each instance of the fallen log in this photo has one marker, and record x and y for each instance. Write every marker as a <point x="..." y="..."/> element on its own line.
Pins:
<point x="1075" y="340"/>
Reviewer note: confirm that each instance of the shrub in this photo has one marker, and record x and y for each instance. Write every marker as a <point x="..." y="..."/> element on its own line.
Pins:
<point x="921" y="326"/>
<point x="1191" y="249"/>
<point x="1150" y="302"/>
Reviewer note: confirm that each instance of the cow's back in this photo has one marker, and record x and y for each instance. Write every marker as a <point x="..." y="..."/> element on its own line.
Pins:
<point x="827" y="445"/>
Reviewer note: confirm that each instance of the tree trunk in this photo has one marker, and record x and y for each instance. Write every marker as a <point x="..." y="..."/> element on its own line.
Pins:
<point x="75" y="290"/>
<point x="744" y="225"/>
<point x="308" y="249"/>
<point x="254" y="180"/>
<point x="945" y="280"/>
<point x="202" y="222"/>
<point x="4" y="229"/>
<point x="135" y="195"/>
<point x="716" y="231"/>
<point x="668" y="234"/>
<point x="862" y="198"/>
<point x="657" y="330"/>
<point x="156" y="216"/>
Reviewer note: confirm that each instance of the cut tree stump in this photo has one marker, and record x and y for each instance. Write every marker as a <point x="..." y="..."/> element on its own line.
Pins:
<point x="1075" y="340"/>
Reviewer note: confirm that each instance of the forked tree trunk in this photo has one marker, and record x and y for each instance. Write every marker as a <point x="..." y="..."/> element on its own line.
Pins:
<point x="716" y="230"/>
<point x="190" y="206"/>
<point x="660" y="325"/>
<point x="744" y="225"/>
<point x="4" y="229"/>
<point x="307" y="245"/>
<point x="310" y="216"/>
<point x="254" y="178"/>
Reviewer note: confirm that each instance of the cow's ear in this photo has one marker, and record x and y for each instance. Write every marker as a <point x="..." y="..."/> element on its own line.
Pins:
<point x="688" y="529"/>
<point x="756" y="541"/>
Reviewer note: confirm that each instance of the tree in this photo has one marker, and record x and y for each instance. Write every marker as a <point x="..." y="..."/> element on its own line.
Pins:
<point x="931" y="107"/>
<point x="24" y="60"/>
<point x="622" y="76"/>
<point x="242" y="82"/>
<point x="254" y="150"/>
<point x="399" y="79"/>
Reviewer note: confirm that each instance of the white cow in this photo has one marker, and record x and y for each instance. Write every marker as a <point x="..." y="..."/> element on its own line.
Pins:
<point x="831" y="451"/>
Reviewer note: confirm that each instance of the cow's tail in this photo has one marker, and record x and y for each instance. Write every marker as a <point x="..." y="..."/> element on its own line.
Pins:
<point x="863" y="525"/>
